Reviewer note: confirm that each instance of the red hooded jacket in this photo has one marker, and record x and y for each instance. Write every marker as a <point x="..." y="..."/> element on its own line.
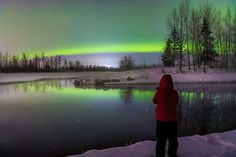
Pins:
<point x="166" y="99"/>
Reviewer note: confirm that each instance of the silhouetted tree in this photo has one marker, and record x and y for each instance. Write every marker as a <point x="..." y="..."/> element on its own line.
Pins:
<point x="1" y="61"/>
<point x="126" y="63"/>
<point x="14" y="62"/>
<point x="168" y="56"/>
<point x="78" y="65"/>
<point x="195" y="37"/>
<point x="208" y="53"/>
<point x="177" y="46"/>
<point x="228" y="21"/>
<point x="186" y="16"/>
<point x="219" y="33"/>
<point x="43" y="60"/>
<point x="24" y="62"/>
<point x="176" y="26"/>
<point x="234" y="40"/>
<point x="187" y="24"/>
<point x="36" y="63"/>
<point x="65" y="63"/>
<point x="180" y="35"/>
<point x="59" y="58"/>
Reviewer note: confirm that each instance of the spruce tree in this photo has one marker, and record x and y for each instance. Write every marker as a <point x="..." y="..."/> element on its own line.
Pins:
<point x="208" y="53"/>
<point x="168" y="56"/>
<point x="177" y="47"/>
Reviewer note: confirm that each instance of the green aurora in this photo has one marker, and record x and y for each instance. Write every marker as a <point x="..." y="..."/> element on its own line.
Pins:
<point x="136" y="47"/>
<point x="72" y="27"/>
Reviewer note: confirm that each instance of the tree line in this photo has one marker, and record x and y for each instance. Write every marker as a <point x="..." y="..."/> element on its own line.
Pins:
<point x="201" y="37"/>
<point x="41" y="63"/>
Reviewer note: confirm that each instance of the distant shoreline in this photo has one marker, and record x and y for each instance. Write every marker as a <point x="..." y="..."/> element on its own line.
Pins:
<point x="141" y="77"/>
<point x="118" y="84"/>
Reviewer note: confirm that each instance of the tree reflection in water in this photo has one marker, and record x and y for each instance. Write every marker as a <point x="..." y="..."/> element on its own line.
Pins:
<point x="123" y="112"/>
<point x="126" y="94"/>
<point x="201" y="110"/>
<point x="202" y="113"/>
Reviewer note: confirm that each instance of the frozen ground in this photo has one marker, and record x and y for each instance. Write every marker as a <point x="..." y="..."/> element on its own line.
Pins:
<point x="212" y="145"/>
<point x="143" y="76"/>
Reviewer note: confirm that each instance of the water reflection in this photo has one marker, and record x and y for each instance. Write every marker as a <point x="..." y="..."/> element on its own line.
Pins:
<point x="202" y="112"/>
<point x="119" y="114"/>
<point x="126" y="95"/>
<point x="35" y="86"/>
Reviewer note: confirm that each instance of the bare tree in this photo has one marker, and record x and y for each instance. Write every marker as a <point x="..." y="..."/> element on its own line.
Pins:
<point x="126" y="63"/>
<point x="195" y="35"/>
<point x="6" y="60"/>
<point x="186" y="14"/>
<point x="78" y="64"/>
<point x="173" y="25"/>
<point x="59" y="58"/>
<point x="65" y="63"/>
<point x="36" y="62"/>
<point x="218" y="29"/>
<point x="51" y="63"/>
<point x="43" y="59"/>
<point x="228" y="36"/>
<point x="234" y="40"/>
<point x="181" y="27"/>
<point x="176" y="26"/>
<point x="71" y="65"/>
<point x="1" y="61"/>
<point x="24" y="62"/>
<point x="15" y="62"/>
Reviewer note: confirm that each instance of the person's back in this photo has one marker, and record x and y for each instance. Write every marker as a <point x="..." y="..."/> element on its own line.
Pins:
<point x="166" y="99"/>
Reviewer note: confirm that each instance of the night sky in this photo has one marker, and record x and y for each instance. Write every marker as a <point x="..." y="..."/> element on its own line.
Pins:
<point x="86" y="26"/>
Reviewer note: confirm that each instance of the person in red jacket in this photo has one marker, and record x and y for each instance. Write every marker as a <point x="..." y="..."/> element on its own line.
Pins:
<point x="166" y="99"/>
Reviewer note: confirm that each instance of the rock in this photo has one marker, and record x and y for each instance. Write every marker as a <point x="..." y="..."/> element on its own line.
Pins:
<point x="77" y="83"/>
<point x="99" y="82"/>
<point x="115" y="80"/>
<point x="130" y="79"/>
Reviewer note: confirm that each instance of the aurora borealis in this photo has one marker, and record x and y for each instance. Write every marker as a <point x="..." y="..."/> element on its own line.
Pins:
<point x="71" y="27"/>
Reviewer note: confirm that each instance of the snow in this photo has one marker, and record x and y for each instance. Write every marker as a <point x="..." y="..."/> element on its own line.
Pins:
<point x="212" y="145"/>
<point x="142" y="76"/>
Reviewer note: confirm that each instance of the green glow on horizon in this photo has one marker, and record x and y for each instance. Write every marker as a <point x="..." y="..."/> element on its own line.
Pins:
<point x="86" y="93"/>
<point x="100" y="93"/>
<point x="152" y="47"/>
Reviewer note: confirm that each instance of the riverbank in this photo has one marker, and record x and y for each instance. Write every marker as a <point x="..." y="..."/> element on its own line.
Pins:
<point x="142" y="76"/>
<point x="212" y="145"/>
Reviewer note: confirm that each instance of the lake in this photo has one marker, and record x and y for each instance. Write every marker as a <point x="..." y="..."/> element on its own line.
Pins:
<point x="53" y="118"/>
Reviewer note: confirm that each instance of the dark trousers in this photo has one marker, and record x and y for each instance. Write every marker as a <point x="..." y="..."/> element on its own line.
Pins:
<point x="166" y="131"/>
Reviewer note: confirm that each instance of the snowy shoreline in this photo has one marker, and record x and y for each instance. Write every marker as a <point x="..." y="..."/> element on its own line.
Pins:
<point x="142" y="76"/>
<point x="211" y="145"/>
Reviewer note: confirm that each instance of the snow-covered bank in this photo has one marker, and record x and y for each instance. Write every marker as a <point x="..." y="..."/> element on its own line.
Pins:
<point x="142" y="76"/>
<point x="212" y="145"/>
